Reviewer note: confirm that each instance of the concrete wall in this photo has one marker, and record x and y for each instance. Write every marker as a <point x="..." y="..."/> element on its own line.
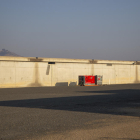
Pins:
<point x="32" y="72"/>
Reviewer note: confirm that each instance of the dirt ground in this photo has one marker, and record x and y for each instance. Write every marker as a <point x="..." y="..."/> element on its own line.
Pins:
<point x="123" y="131"/>
<point x="70" y="113"/>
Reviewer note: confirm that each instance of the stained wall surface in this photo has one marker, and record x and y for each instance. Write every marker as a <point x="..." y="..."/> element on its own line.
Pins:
<point x="36" y="72"/>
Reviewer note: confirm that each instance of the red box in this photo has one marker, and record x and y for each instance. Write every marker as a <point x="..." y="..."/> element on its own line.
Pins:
<point x="89" y="80"/>
<point x="86" y="80"/>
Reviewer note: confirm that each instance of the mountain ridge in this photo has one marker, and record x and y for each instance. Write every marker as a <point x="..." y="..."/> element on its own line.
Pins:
<point x="7" y="53"/>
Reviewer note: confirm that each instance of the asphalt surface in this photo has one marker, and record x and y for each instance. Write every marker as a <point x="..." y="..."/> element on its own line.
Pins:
<point x="33" y="113"/>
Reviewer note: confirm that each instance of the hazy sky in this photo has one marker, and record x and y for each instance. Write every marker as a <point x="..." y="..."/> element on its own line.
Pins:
<point x="83" y="29"/>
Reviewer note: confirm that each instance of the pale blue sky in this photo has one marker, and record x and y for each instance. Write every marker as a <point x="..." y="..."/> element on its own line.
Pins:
<point x="83" y="29"/>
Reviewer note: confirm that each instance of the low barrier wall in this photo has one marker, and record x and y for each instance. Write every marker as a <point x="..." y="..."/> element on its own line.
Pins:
<point x="37" y="72"/>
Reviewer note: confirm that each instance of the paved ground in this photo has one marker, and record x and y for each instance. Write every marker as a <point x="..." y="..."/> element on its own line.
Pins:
<point x="103" y="113"/>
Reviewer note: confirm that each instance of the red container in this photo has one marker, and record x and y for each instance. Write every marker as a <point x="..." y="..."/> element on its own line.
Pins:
<point x="89" y="80"/>
<point x="86" y="80"/>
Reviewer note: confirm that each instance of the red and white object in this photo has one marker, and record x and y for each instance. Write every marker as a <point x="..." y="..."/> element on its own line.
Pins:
<point x="86" y="80"/>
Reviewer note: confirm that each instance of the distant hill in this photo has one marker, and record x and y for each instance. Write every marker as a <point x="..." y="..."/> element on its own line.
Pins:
<point x="7" y="53"/>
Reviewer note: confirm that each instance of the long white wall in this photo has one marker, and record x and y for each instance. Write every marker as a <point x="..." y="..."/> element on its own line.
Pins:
<point x="115" y="74"/>
<point x="26" y="72"/>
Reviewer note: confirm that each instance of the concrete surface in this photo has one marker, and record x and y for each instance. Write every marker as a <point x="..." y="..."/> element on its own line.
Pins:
<point x="73" y="113"/>
<point x="32" y="72"/>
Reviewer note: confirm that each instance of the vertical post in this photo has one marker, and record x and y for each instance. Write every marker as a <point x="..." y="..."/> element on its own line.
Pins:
<point x="51" y="74"/>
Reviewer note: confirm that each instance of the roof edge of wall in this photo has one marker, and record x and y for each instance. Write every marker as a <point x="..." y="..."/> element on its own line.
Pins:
<point x="65" y="60"/>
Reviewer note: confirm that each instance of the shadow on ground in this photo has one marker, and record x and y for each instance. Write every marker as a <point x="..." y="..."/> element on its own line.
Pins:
<point x="117" y="102"/>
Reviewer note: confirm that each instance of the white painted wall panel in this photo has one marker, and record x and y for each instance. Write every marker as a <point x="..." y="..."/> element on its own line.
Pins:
<point x="28" y="74"/>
